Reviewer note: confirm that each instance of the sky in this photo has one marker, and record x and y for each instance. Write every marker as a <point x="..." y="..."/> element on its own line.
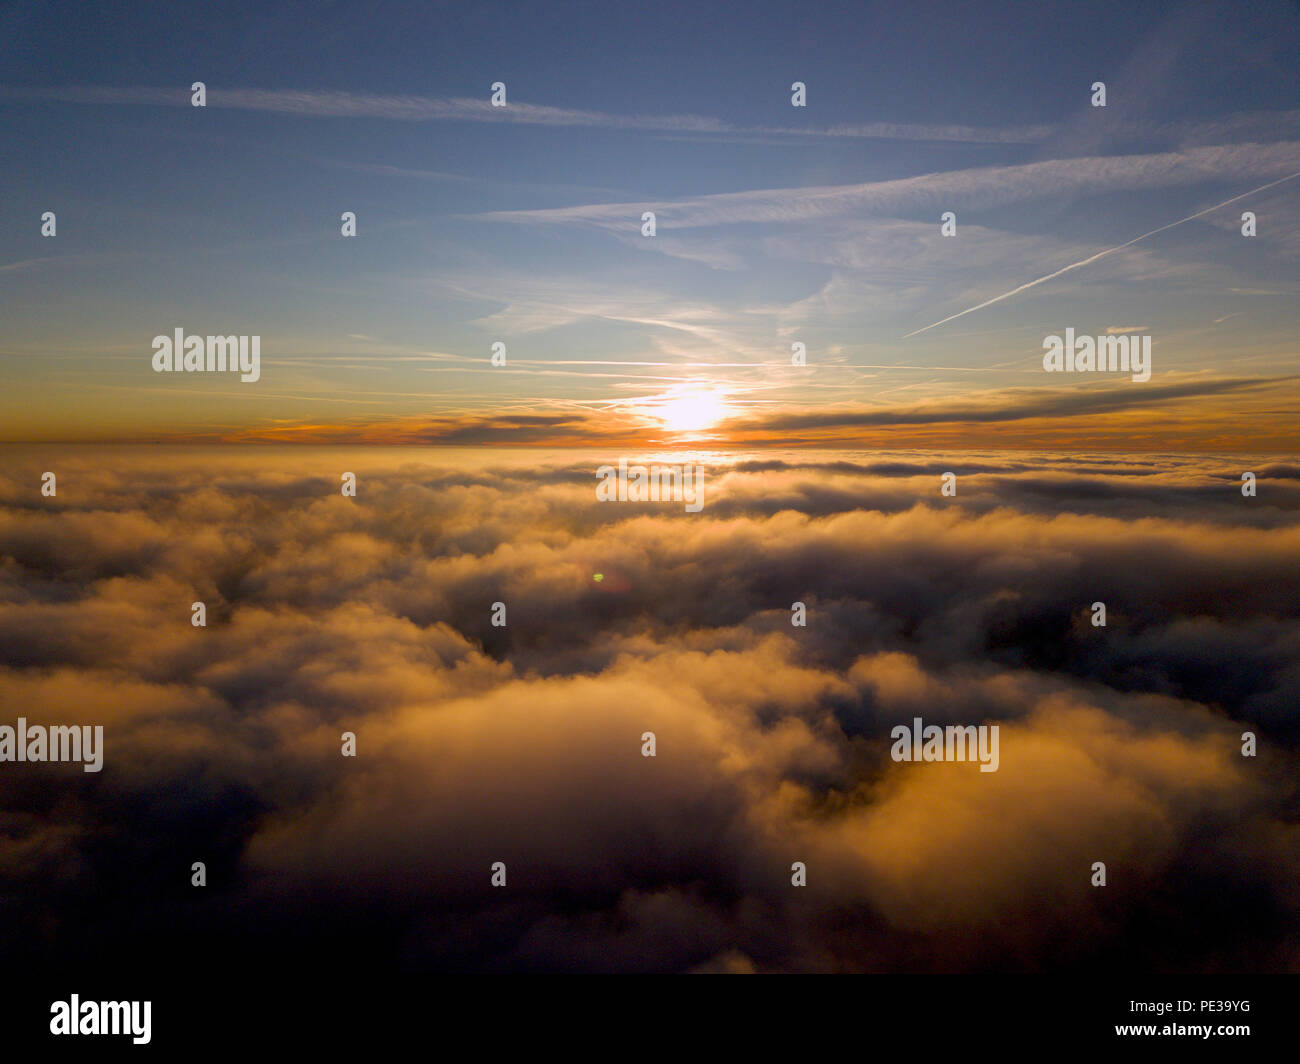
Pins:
<point x="775" y="224"/>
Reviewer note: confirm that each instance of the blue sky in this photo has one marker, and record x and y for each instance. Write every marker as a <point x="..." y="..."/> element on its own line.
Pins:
<point x="776" y="224"/>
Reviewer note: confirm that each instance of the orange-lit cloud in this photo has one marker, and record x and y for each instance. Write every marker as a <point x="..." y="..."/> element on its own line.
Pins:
<point x="522" y="743"/>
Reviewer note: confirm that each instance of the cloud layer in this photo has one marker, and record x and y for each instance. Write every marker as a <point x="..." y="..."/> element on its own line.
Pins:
<point x="523" y="744"/>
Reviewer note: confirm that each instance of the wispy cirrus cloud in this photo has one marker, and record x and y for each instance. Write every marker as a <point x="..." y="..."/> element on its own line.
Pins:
<point x="325" y="103"/>
<point x="1099" y="255"/>
<point x="319" y="103"/>
<point x="972" y="188"/>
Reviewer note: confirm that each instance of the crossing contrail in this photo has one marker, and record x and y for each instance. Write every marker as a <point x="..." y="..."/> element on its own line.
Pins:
<point x="1099" y="255"/>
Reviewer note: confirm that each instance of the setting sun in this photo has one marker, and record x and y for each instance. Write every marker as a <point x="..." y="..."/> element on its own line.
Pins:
<point x="693" y="412"/>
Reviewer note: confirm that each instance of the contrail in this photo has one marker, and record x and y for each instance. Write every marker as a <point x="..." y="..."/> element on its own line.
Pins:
<point x="1100" y="255"/>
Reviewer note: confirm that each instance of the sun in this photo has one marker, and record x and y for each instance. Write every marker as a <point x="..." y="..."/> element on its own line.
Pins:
<point x="693" y="412"/>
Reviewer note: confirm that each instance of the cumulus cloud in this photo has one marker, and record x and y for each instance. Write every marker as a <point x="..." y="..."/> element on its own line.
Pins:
<point x="523" y="744"/>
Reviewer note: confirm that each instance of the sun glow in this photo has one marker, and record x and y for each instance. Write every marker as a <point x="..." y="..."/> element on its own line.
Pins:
<point x="693" y="411"/>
